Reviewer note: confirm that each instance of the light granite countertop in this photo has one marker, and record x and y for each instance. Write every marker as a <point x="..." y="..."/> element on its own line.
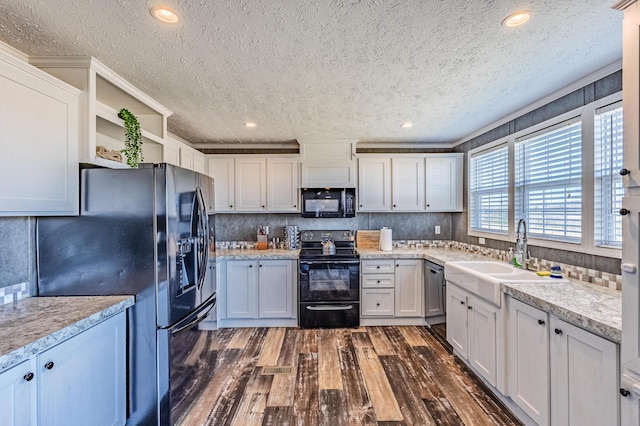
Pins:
<point x="246" y="254"/>
<point x="34" y="324"/>
<point x="588" y="306"/>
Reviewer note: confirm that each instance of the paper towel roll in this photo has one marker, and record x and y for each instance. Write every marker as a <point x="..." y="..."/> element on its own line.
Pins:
<point x="385" y="239"/>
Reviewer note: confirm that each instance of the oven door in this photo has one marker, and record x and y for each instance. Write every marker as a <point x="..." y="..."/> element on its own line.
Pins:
<point x="329" y="280"/>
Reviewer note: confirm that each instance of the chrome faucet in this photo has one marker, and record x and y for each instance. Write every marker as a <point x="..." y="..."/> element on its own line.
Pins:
<point x="521" y="245"/>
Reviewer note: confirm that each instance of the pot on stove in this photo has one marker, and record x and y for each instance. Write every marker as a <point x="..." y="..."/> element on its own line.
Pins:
<point x="328" y="247"/>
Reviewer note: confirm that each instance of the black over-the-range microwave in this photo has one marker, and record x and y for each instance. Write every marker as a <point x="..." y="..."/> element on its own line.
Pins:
<point x="328" y="202"/>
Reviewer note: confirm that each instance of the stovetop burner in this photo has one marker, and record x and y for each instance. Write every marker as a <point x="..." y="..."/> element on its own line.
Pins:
<point x="311" y="247"/>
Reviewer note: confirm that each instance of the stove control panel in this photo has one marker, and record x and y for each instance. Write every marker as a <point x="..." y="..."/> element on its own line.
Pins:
<point x="310" y="236"/>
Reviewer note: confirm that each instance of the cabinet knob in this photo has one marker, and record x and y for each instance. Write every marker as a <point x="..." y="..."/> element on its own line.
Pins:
<point x="377" y="304"/>
<point x="378" y="281"/>
<point x="378" y="266"/>
<point x="428" y="205"/>
<point x="231" y="207"/>
<point x="360" y="205"/>
<point x="394" y="205"/>
<point x="624" y="392"/>
<point x="295" y="206"/>
<point x="49" y="365"/>
<point x="624" y="212"/>
<point x="469" y="307"/>
<point x="462" y="302"/>
<point x="263" y="207"/>
<point x="260" y="265"/>
<point x="557" y="331"/>
<point x="250" y="266"/>
<point x="624" y="172"/>
<point x="541" y="322"/>
<point x="28" y="377"/>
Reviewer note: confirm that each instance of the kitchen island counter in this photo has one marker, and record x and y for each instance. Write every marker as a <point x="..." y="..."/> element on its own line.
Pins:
<point x="34" y="324"/>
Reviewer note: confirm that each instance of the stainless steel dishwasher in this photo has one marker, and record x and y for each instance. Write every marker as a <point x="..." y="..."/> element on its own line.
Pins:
<point x="434" y="293"/>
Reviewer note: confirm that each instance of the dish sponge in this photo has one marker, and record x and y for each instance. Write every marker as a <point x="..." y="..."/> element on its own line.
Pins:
<point x="543" y="273"/>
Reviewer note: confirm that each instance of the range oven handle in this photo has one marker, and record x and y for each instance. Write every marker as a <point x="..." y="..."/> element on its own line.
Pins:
<point x="330" y="308"/>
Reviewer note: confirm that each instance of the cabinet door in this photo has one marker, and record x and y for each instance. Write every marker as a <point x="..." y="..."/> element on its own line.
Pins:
<point x="443" y="183"/>
<point x="198" y="162"/>
<point x="529" y="360"/>
<point x="38" y="141"/>
<point x="584" y="377"/>
<point x="171" y="152"/>
<point x="409" y="288"/>
<point x="84" y="384"/>
<point x="457" y="319"/>
<point x="408" y="183"/>
<point x="482" y="338"/>
<point x="377" y="302"/>
<point x="251" y="186"/>
<point x="276" y="289"/>
<point x="186" y="158"/>
<point x="222" y="170"/>
<point x="282" y="185"/>
<point x="18" y="395"/>
<point x="374" y="184"/>
<point x="242" y="289"/>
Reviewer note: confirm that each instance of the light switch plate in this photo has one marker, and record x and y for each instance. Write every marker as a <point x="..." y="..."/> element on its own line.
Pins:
<point x="437" y="229"/>
<point x="481" y="240"/>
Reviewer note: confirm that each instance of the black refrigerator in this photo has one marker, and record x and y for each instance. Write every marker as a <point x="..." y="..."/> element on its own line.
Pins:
<point x="144" y="232"/>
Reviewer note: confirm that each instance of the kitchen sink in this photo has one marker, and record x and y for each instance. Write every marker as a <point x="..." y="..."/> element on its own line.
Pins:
<point x="484" y="278"/>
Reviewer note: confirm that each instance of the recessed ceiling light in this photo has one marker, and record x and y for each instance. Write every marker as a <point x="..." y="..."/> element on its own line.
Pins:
<point x="407" y="125"/>
<point x="517" y="18"/>
<point x="250" y="124"/>
<point x="164" y="14"/>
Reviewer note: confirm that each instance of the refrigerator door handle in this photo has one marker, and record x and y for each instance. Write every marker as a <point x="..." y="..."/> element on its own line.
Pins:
<point x="197" y="319"/>
<point x="202" y="238"/>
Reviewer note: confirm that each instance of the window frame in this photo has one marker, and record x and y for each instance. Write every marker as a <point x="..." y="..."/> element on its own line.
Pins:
<point x="586" y="114"/>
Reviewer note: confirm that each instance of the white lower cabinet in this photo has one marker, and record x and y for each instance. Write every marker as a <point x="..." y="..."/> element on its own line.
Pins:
<point x="409" y="285"/>
<point x="560" y="374"/>
<point x="260" y="289"/>
<point x="18" y="394"/>
<point x="80" y="381"/>
<point x="584" y="377"/>
<point x="472" y="331"/>
<point x="528" y="360"/>
<point x="391" y="288"/>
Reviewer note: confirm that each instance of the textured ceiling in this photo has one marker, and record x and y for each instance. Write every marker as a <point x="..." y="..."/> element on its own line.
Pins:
<point x="328" y="69"/>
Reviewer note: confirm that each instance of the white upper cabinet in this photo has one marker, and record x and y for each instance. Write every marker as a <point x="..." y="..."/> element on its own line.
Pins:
<point x="443" y="182"/>
<point x="186" y="158"/>
<point x="282" y="185"/>
<point x="374" y="184"/>
<point x="251" y="185"/>
<point x="199" y="162"/>
<point x="222" y="170"/>
<point x="408" y="183"/>
<point x="328" y="164"/>
<point x="38" y="140"/>
<point x="171" y="152"/>
<point x="104" y="93"/>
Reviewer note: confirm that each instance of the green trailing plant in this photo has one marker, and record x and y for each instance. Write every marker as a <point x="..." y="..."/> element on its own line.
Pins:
<point x="133" y="138"/>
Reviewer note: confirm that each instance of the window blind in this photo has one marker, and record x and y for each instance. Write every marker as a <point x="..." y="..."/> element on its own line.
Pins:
<point x="488" y="190"/>
<point x="548" y="182"/>
<point x="608" y="186"/>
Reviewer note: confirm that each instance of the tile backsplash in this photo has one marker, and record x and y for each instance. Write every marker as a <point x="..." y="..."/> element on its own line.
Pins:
<point x="13" y="293"/>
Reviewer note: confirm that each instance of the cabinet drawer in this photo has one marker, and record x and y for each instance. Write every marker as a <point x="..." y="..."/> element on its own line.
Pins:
<point x="378" y="280"/>
<point x="377" y="266"/>
<point x="378" y="302"/>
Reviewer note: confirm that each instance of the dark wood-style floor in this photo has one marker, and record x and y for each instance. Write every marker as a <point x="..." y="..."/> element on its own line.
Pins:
<point x="365" y="376"/>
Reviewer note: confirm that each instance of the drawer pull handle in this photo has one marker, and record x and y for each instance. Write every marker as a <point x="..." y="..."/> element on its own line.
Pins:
<point x="541" y="322"/>
<point x="28" y="377"/>
<point x="49" y="365"/>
